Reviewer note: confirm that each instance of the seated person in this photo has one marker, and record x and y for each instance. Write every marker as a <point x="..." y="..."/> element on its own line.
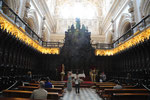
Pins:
<point x="100" y="80"/>
<point x="118" y="85"/>
<point x="103" y="77"/>
<point x="40" y="93"/>
<point x="48" y="84"/>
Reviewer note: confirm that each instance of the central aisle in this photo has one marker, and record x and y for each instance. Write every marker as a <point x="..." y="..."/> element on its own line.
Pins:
<point x="85" y="94"/>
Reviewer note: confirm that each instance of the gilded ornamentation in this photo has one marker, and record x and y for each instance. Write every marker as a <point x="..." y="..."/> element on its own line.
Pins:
<point x="144" y="35"/>
<point x="19" y="32"/>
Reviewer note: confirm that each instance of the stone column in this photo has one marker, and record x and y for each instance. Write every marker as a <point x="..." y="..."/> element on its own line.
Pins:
<point x="26" y="10"/>
<point x="131" y="11"/>
<point x="43" y="28"/>
<point x="1" y="3"/>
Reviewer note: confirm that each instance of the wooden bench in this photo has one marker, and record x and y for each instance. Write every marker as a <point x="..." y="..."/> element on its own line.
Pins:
<point x="99" y="83"/>
<point x="100" y="90"/>
<point x="131" y="96"/>
<point x="55" y="86"/>
<point x="27" y="94"/>
<point x="31" y="88"/>
<point x="109" y="92"/>
<point x="55" y="83"/>
<point x="104" y="84"/>
<point x="58" y="81"/>
<point x="10" y="98"/>
<point x="111" y="87"/>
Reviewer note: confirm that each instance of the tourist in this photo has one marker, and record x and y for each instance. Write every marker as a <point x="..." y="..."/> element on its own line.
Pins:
<point x="118" y="85"/>
<point x="103" y="77"/>
<point x="69" y="82"/>
<point x="40" y="93"/>
<point x="77" y="83"/>
<point x="48" y="84"/>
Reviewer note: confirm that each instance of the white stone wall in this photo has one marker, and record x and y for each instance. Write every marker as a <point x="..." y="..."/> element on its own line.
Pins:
<point x="123" y="12"/>
<point x="113" y="17"/>
<point x="37" y="14"/>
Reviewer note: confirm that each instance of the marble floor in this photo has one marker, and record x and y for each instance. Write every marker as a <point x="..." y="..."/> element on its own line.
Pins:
<point x="85" y="94"/>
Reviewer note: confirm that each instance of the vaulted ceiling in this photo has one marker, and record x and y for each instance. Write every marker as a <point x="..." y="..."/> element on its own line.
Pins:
<point x="91" y="13"/>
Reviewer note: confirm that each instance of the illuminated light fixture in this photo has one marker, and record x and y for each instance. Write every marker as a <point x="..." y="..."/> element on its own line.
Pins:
<point x="20" y="34"/>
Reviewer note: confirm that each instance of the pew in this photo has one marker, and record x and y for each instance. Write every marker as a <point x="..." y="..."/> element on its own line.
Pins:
<point x="100" y="89"/>
<point x="55" y="82"/>
<point x="55" y="86"/>
<point x="109" y="92"/>
<point x="106" y="84"/>
<point x="131" y="96"/>
<point x="31" y="88"/>
<point x="10" y="98"/>
<point x="111" y="87"/>
<point x="27" y="94"/>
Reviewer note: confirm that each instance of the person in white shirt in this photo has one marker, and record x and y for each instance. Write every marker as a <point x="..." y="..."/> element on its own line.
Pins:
<point x="40" y="93"/>
<point x="77" y="83"/>
<point x="103" y="77"/>
<point x="118" y="85"/>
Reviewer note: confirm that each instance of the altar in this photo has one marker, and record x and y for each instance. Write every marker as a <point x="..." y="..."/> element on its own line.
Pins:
<point x="80" y="75"/>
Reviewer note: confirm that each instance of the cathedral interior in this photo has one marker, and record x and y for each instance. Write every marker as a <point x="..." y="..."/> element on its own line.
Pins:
<point x="89" y="38"/>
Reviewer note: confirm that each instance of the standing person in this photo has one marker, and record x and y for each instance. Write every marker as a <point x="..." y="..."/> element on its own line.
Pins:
<point x="103" y="77"/>
<point x="128" y="79"/>
<point x="40" y="93"/>
<point x="69" y="82"/>
<point x="77" y="83"/>
<point x="29" y="76"/>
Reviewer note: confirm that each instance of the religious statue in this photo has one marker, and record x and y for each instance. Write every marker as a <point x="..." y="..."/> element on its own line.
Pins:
<point x="91" y="75"/>
<point x="62" y="72"/>
<point x="94" y="75"/>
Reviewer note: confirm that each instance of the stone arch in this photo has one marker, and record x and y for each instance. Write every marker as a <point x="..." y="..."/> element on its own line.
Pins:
<point x="124" y="25"/>
<point x="13" y="4"/>
<point x="145" y="7"/>
<point x="32" y="20"/>
<point x="109" y="37"/>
